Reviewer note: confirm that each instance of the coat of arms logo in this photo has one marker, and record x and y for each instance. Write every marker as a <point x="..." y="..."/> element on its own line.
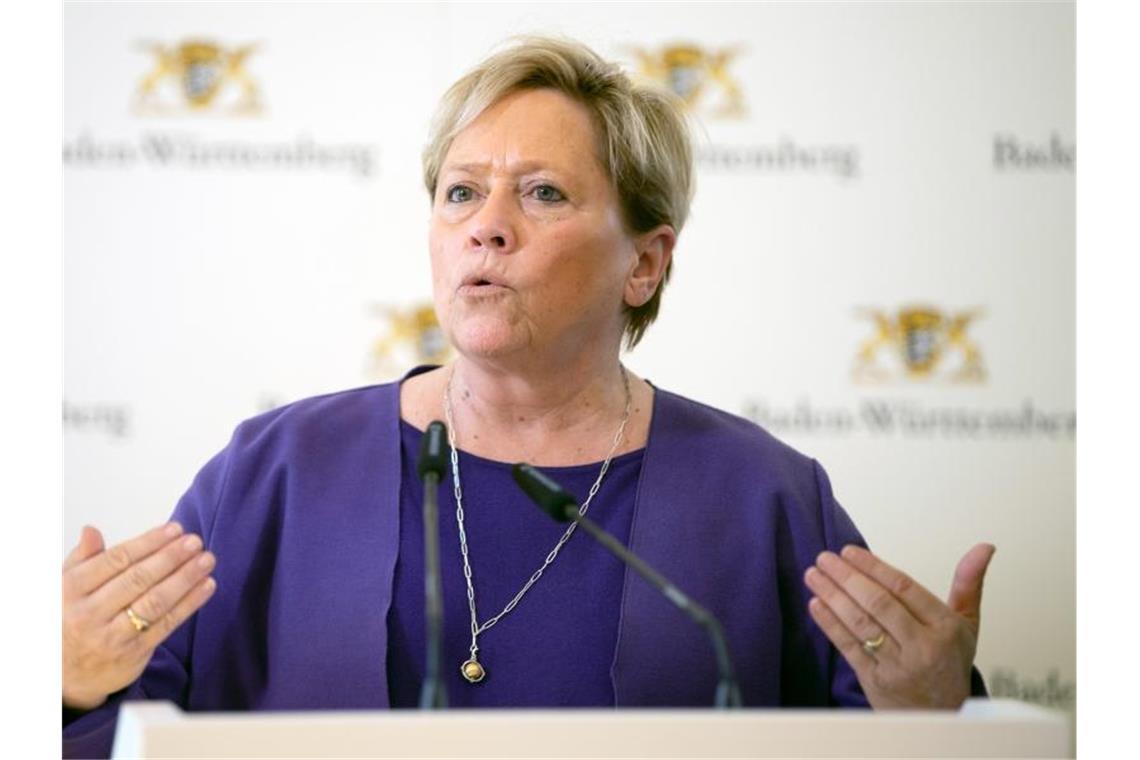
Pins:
<point x="413" y="337"/>
<point x="915" y="342"/>
<point x="691" y="73"/>
<point x="197" y="76"/>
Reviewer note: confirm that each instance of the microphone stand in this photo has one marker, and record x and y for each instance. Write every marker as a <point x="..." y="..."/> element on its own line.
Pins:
<point x="557" y="502"/>
<point x="433" y="455"/>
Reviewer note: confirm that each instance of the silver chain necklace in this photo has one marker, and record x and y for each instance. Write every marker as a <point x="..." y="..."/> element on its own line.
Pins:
<point x="472" y="669"/>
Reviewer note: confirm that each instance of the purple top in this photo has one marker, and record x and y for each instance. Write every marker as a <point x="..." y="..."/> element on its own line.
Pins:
<point x="302" y="510"/>
<point x="569" y="617"/>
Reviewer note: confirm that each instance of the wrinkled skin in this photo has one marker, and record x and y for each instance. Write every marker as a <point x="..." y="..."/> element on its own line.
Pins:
<point x="162" y="575"/>
<point x="927" y="646"/>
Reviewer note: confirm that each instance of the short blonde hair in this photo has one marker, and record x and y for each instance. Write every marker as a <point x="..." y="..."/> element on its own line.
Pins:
<point x="643" y="138"/>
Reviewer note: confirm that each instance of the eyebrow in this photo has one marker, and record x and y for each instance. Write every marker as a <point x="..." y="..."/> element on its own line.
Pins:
<point x="521" y="167"/>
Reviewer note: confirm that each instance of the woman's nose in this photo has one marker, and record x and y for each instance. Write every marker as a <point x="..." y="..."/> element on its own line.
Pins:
<point x="492" y="227"/>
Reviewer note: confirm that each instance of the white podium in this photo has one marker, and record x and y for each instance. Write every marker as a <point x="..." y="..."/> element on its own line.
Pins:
<point x="991" y="728"/>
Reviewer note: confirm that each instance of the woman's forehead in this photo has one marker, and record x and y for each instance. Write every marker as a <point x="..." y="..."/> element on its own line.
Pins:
<point x="524" y="132"/>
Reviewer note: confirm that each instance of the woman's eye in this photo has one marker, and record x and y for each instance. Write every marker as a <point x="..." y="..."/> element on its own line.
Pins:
<point x="548" y="194"/>
<point x="459" y="194"/>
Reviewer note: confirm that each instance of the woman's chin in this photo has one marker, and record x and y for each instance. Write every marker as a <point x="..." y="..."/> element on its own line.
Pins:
<point x="489" y="340"/>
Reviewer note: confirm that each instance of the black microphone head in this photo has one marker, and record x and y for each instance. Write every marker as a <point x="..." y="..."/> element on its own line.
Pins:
<point x="434" y="450"/>
<point x="552" y="498"/>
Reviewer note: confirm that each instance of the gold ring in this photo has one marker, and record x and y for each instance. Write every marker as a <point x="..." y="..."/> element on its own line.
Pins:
<point x="140" y="623"/>
<point x="870" y="646"/>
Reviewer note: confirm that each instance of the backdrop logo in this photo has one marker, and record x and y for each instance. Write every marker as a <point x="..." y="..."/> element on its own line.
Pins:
<point x="1053" y="691"/>
<point x="412" y="337"/>
<point x="111" y="419"/>
<point x="701" y="78"/>
<point x="197" y="76"/>
<point x="1013" y="153"/>
<point x="919" y="343"/>
<point x="692" y="73"/>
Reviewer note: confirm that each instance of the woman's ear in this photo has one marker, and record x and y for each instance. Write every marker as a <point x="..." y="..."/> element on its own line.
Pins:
<point x="654" y="252"/>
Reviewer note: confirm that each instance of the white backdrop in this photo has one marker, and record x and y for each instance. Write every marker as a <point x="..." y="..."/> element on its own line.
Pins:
<point x="884" y="158"/>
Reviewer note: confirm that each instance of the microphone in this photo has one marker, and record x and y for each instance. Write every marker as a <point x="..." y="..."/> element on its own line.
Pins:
<point x="431" y="466"/>
<point x="560" y="505"/>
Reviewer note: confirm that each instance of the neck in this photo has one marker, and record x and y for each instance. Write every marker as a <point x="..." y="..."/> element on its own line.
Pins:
<point x="554" y="414"/>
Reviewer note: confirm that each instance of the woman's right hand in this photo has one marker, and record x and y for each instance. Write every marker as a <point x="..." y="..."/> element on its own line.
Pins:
<point x="162" y="576"/>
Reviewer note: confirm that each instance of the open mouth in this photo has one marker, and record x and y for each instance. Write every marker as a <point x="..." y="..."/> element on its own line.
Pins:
<point x="478" y="286"/>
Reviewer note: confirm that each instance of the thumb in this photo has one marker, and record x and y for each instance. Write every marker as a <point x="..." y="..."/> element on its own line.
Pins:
<point x="90" y="544"/>
<point x="966" y="589"/>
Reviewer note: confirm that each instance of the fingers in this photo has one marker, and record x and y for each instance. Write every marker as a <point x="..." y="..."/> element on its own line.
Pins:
<point x="848" y="645"/>
<point x="186" y="606"/>
<point x="152" y="585"/>
<point x="869" y="599"/>
<point x="924" y="658"/>
<point x="92" y="573"/>
<point x="966" y="589"/>
<point x="847" y="611"/>
<point x="923" y="605"/>
<point x="90" y="543"/>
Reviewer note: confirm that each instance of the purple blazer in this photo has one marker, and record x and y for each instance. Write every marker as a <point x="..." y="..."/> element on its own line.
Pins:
<point x="302" y="511"/>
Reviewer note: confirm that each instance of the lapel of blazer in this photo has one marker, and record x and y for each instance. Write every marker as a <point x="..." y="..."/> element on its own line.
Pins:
<point x="662" y="657"/>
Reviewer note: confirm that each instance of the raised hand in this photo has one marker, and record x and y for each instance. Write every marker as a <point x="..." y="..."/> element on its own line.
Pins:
<point x="907" y="647"/>
<point x="121" y="603"/>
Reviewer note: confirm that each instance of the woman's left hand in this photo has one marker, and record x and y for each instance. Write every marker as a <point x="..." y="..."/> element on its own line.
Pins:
<point x="907" y="648"/>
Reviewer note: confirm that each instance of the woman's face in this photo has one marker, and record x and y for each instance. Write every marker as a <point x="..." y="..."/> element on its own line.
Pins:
<point x="529" y="252"/>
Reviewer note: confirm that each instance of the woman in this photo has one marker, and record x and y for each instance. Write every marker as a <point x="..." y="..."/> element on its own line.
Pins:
<point x="558" y="189"/>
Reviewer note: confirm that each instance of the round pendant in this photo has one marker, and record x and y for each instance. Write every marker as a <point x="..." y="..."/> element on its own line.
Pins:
<point x="472" y="671"/>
